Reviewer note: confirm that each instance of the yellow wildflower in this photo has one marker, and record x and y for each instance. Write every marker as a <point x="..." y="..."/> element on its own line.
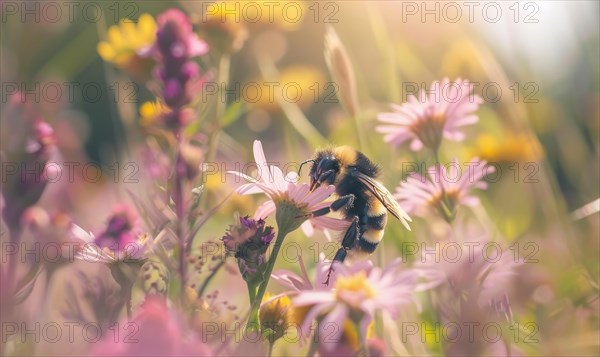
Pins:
<point x="223" y="34"/>
<point x="510" y="148"/>
<point x="125" y="40"/>
<point x="150" y="113"/>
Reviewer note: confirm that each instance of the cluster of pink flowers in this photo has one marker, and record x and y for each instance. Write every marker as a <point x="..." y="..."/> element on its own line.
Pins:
<point x="345" y="299"/>
<point x="471" y="288"/>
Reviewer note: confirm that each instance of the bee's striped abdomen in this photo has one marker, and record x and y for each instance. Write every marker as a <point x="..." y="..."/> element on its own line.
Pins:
<point x="374" y="224"/>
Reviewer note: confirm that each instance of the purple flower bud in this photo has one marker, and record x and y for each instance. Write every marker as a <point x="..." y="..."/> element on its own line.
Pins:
<point x="248" y="242"/>
<point x="189" y="70"/>
<point x="172" y="91"/>
<point x="178" y="118"/>
<point x="176" y="45"/>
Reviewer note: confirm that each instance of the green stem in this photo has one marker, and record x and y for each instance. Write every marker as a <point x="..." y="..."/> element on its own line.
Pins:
<point x="128" y="305"/>
<point x="208" y="279"/>
<point x="447" y="212"/>
<point x="215" y="133"/>
<point x="253" y="320"/>
<point x="11" y="271"/>
<point x="224" y="69"/>
<point x="314" y="345"/>
<point x="270" y="349"/>
<point x="178" y="198"/>
<point x="362" y="335"/>
<point x="436" y="155"/>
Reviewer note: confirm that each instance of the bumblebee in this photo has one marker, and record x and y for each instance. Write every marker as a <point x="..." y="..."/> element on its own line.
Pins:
<point x="361" y="199"/>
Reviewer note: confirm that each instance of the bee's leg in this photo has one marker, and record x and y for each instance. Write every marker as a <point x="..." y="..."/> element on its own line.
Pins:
<point x="344" y="201"/>
<point x="350" y="237"/>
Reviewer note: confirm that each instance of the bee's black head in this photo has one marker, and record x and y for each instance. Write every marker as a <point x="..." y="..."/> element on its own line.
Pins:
<point x="324" y="170"/>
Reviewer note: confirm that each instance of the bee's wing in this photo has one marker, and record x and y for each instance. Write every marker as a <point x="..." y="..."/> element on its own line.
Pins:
<point x="385" y="197"/>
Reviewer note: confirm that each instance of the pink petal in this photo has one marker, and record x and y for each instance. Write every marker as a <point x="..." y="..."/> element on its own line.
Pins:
<point x="313" y="297"/>
<point x="265" y="210"/>
<point x="261" y="161"/>
<point x="335" y="224"/>
<point x="249" y="189"/>
<point x="319" y="195"/>
<point x="312" y="314"/>
<point x="332" y="326"/>
<point x="197" y="47"/>
<point x="278" y="179"/>
<point x="307" y="228"/>
<point x="416" y="145"/>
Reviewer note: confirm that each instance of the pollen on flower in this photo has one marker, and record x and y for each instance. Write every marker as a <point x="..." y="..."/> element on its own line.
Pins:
<point x="357" y="283"/>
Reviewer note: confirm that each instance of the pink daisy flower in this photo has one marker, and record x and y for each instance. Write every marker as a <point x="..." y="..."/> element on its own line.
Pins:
<point x="444" y="188"/>
<point x="285" y="189"/>
<point x="479" y="267"/>
<point x="358" y="291"/>
<point x="470" y="281"/>
<point x="426" y="120"/>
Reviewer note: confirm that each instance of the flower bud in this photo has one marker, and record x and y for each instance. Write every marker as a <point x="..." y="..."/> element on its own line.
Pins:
<point x="340" y="67"/>
<point x="248" y="243"/>
<point x="155" y="278"/>
<point x="224" y="36"/>
<point x="275" y="316"/>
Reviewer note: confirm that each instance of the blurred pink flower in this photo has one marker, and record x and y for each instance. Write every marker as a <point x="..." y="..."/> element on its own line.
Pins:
<point x="121" y="229"/>
<point x="176" y="38"/>
<point x="121" y="239"/>
<point x="479" y="266"/>
<point x="26" y="146"/>
<point x="469" y="282"/>
<point x="429" y="118"/>
<point x="280" y="187"/>
<point x="156" y="330"/>
<point x="444" y="188"/>
<point x="358" y="292"/>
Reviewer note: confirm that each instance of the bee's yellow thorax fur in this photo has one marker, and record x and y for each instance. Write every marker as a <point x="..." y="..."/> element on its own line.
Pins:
<point x="345" y="154"/>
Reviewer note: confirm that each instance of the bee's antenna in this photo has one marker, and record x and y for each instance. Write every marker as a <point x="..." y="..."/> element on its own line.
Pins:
<point x="302" y="164"/>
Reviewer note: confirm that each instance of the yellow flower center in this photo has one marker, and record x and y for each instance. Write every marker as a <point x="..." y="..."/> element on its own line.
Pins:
<point x="356" y="284"/>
